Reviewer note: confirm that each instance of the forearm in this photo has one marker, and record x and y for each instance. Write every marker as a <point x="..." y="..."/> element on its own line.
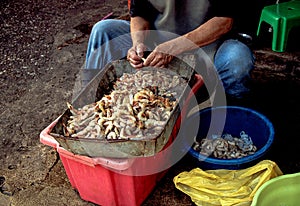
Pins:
<point x="205" y="34"/>
<point x="211" y="31"/>
<point x="138" y="29"/>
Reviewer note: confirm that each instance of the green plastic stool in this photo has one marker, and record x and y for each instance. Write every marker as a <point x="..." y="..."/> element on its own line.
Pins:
<point x="282" y="17"/>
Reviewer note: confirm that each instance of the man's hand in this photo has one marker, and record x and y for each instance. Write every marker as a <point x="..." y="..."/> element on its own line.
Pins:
<point x="158" y="59"/>
<point x="160" y="56"/>
<point x="135" y="55"/>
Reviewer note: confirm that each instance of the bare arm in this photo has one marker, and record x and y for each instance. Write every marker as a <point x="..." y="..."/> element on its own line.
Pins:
<point x="205" y="34"/>
<point x="212" y="30"/>
<point x="138" y="28"/>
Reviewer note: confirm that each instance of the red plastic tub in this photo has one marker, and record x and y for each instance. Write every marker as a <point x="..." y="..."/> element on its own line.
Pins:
<point x="106" y="181"/>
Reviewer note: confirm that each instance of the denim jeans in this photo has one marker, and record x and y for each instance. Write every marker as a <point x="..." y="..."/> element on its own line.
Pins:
<point x="232" y="60"/>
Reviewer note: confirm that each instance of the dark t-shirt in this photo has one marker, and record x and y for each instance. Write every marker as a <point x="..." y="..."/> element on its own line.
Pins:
<point x="182" y="16"/>
<point x="221" y="8"/>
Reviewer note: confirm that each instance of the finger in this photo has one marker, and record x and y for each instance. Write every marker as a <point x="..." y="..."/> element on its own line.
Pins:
<point x="131" y="53"/>
<point x="155" y="62"/>
<point x="137" y="66"/>
<point x="135" y="61"/>
<point x="133" y="58"/>
<point x="148" y="60"/>
<point x="140" y="50"/>
<point x="160" y="64"/>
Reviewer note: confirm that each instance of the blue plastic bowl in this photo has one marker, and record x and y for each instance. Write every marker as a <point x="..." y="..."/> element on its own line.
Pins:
<point x="231" y="120"/>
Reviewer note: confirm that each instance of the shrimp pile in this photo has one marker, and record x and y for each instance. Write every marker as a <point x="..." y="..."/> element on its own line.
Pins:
<point x="139" y="106"/>
<point x="226" y="146"/>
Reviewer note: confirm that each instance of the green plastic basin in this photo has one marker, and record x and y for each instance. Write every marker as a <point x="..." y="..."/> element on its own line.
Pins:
<point x="279" y="191"/>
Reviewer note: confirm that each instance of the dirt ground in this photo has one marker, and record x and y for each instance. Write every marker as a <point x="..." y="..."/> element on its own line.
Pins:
<point x="42" y="47"/>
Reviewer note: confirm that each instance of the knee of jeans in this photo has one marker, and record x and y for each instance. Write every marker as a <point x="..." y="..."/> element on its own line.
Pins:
<point x="235" y="57"/>
<point x="234" y="49"/>
<point x="241" y="69"/>
<point x="246" y="64"/>
<point x="103" y="25"/>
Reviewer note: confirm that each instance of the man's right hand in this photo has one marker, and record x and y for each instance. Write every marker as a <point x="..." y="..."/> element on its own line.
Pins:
<point x="135" y="55"/>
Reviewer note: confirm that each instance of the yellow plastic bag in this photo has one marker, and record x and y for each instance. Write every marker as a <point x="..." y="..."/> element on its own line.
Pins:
<point x="225" y="187"/>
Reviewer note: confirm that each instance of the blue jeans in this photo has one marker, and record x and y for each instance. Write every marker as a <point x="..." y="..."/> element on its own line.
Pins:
<point x="110" y="40"/>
